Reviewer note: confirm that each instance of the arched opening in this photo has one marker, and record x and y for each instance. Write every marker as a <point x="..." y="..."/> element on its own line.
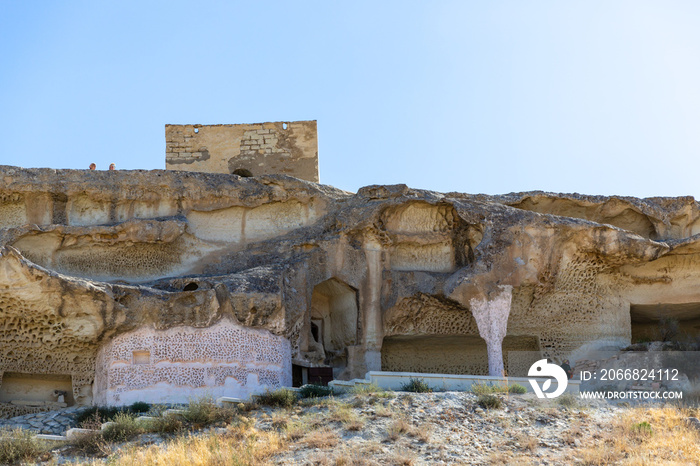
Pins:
<point x="191" y="286"/>
<point x="333" y="325"/>
<point x="243" y="172"/>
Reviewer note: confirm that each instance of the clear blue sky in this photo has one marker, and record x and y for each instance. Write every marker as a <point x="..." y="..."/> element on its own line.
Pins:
<point x="597" y="97"/>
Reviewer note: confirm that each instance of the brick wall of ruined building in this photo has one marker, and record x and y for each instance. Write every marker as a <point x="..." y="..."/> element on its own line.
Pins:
<point x="287" y="148"/>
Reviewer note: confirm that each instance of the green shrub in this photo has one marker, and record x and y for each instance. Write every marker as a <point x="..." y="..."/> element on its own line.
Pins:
<point x="98" y="413"/>
<point x="19" y="445"/>
<point x="109" y="413"/>
<point x="139" y="407"/>
<point x="416" y="385"/>
<point x="517" y="389"/>
<point x="283" y="398"/>
<point x="125" y="428"/>
<point x="489" y="402"/>
<point x="315" y="391"/>
<point x="643" y="428"/>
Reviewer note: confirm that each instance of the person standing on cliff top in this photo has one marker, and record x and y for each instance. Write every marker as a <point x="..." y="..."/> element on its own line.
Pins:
<point x="112" y="166"/>
<point x="93" y="166"/>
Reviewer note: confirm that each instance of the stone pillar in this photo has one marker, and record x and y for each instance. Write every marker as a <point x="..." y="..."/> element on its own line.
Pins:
<point x="372" y="312"/>
<point x="491" y="317"/>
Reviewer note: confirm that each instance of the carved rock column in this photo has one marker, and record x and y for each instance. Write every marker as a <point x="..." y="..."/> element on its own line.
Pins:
<point x="491" y="317"/>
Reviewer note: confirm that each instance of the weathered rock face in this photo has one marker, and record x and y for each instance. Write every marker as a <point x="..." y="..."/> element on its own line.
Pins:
<point x="97" y="269"/>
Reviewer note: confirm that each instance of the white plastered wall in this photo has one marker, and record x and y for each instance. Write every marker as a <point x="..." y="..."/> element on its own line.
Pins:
<point x="185" y="363"/>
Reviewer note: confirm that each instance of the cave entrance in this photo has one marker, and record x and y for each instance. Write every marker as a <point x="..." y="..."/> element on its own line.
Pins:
<point x="333" y="325"/>
<point x="36" y="389"/>
<point x="454" y="354"/>
<point x="665" y="322"/>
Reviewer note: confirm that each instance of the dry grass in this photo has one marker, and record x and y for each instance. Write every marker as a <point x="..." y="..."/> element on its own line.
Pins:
<point x="643" y="436"/>
<point x="91" y="443"/>
<point x="383" y="411"/>
<point x="526" y="442"/>
<point x="403" y="458"/>
<point x="203" y="411"/>
<point x="572" y="434"/>
<point x="665" y="438"/>
<point x="296" y="431"/>
<point x="280" y="420"/>
<point x="323" y="438"/>
<point x="399" y="427"/>
<point x="355" y="426"/>
<point x="483" y="388"/>
<point x="124" y="427"/>
<point x="240" y="445"/>
<point x="502" y="458"/>
<point x="19" y="445"/>
<point x="346" y="458"/>
<point x="350" y="420"/>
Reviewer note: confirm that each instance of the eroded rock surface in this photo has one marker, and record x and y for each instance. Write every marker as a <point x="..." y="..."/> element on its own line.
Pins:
<point x="389" y="278"/>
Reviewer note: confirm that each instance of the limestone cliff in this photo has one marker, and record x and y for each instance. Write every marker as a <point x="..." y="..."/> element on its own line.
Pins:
<point x="389" y="278"/>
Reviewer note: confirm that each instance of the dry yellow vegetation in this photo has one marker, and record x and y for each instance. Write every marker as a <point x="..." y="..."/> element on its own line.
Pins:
<point x="647" y="436"/>
<point x="238" y="445"/>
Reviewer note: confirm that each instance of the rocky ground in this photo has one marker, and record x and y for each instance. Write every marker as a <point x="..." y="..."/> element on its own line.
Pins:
<point x="417" y="428"/>
<point x="446" y="428"/>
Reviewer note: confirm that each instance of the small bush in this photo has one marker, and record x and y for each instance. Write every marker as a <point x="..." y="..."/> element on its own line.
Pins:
<point x="517" y="389"/>
<point x="167" y="424"/>
<point x="19" y="445"/>
<point x="91" y="443"/>
<point x="125" y="428"/>
<point x="643" y="428"/>
<point x="315" y="391"/>
<point x="567" y="400"/>
<point x="139" y="407"/>
<point x="354" y="426"/>
<point x="401" y="426"/>
<point x="108" y="413"/>
<point x="282" y="398"/>
<point x="204" y="411"/>
<point x="489" y="402"/>
<point x="99" y="413"/>
<point x="416" y="385"/>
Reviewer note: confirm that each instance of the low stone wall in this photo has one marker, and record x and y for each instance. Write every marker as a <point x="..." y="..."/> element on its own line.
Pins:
<point x="179" y="364"/>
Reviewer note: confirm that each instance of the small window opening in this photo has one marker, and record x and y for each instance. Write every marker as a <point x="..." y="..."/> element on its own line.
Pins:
<point x="190" y="287"/>
<point x="142" y="357"/>
<point x="243" y="172"/>
<point x="314" y="331"/>
<point x="196" y="130"/>
<point x="284" y="125"/>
